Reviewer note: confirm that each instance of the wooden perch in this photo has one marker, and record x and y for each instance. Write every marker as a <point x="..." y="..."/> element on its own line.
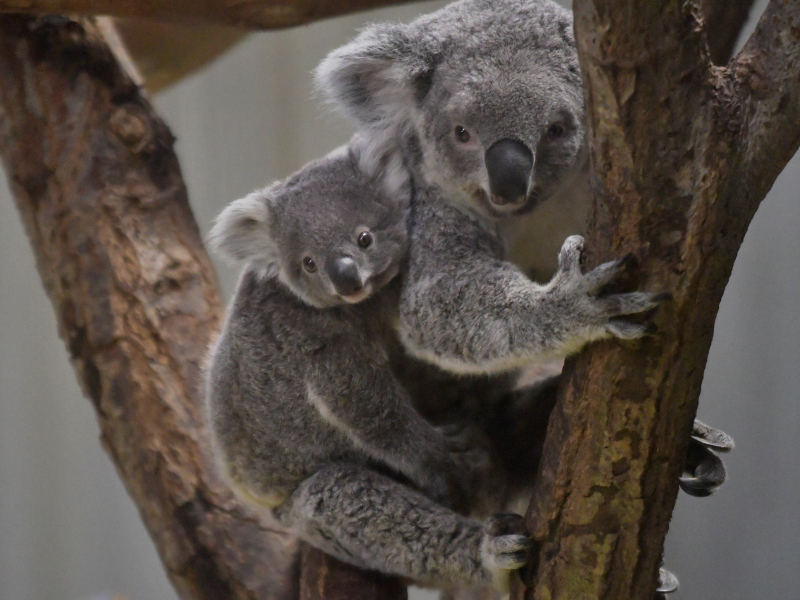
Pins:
<point x="252" y="14"/>
<point x="94" y="175"/>
<point x="682" y="154"/>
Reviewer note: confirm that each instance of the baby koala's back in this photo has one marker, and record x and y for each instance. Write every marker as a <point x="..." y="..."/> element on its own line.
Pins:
<point x="270" y="434"/>
<point x="321" y="246"/>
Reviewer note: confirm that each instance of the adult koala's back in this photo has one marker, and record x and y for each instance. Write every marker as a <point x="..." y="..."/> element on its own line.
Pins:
<point x="485" y="100"/>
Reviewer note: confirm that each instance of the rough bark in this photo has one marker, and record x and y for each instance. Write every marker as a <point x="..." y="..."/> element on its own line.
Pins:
<point x="325" y="578"/>
<point x="95" y="178"/>
<point x="253" y="14"/>
<point x="682" y="153"/>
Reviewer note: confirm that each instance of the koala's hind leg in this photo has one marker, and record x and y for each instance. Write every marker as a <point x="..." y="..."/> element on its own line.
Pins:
<point x="372" y="521"/>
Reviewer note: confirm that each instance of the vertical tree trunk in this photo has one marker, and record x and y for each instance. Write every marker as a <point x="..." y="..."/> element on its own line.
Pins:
<point x="682" y="153"/>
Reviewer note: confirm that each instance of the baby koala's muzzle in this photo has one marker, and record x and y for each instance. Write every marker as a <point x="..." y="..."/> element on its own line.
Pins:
<point x="345" y="276"/>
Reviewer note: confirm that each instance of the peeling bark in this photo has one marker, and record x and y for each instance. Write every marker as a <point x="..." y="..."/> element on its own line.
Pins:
<point x="682" y="153"/>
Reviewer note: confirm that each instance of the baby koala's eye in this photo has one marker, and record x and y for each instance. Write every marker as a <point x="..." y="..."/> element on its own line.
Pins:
<point x="365" y="239"/>
<point x="309" y="264"/>
<point x="556" y="131"/>
<point x="462" y="135"/>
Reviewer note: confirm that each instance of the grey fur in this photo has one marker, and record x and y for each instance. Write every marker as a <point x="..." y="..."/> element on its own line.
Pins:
<point x="500" y="68"/>
<point x="307" y="416"/>
<point x="504" y="70"/>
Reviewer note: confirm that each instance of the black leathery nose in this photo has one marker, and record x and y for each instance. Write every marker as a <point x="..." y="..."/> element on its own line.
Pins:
<point x="509" y="163"/>
<point x="344" y="276"/>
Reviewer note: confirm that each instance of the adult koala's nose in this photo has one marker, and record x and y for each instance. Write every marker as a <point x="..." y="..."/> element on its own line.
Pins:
<point x="509" y="163"/>
<point x="344" y="276"/>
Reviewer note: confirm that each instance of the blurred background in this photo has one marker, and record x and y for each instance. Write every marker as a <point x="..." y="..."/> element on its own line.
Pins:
<point x="68" y="530"/>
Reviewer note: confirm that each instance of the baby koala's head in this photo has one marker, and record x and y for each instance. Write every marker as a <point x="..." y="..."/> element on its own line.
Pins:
<point x="331" y="233"/>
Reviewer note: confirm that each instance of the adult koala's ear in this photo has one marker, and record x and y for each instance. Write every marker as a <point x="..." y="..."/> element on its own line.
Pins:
<point x="242" y="230"/>
<point x="379" y="77"/>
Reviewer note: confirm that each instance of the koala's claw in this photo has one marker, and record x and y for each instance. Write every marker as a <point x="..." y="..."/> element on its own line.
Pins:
<point x="504" y="524"/>
<point x="504" y="546"/>
<point x="569" y="257"/>
<point x="601" y="310"/>
<point x="712" y="438"/>
<point x="625" y="330"/>
<point x="601" y="276"/>
<point x="704" y="472"/>
<point x="667" y="582"/>
<point x="508" y="552"/>
<point x="618" y="305"/>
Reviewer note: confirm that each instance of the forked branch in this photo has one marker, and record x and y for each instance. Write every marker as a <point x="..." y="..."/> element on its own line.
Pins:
<point x="682" y="153"/>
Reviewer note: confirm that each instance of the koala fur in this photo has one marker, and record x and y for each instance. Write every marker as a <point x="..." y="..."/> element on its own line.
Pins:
<point x="502" y="69"/>
<point x="484" y="99"/>
<point x="307" y="416"/>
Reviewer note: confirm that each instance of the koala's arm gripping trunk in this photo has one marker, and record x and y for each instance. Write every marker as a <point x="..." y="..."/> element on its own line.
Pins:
<point x="466" y="310"/>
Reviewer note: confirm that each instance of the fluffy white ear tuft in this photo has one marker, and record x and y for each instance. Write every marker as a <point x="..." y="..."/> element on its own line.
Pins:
<point x="242" y="230"/>
<point x="373" y="79"/>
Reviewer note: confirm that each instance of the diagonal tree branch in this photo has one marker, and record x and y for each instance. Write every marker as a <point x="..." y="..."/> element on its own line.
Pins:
<point x="669" y="135"/>
<point x="252" y="14"/>
<point x="96" y="180"/>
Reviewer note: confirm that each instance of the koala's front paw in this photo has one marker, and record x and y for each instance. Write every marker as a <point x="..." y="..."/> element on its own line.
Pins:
<point x="600" y="313"/>
<point x="504" y="548"/>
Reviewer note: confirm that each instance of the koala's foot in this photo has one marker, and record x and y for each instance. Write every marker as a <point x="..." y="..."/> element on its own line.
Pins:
<point x="704" y="471"/>
<point x="367" y="519"/>
<point x="597" y="311"/>
<point x="505" y="548"/>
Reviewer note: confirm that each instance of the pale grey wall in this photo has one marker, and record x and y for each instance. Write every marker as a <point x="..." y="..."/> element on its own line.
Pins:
<point x="69" y="532"/>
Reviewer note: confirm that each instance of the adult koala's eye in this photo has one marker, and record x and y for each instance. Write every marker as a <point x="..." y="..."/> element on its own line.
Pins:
<point x="462" y="135"/>
<point x="365" y="239"/>
<point x="556" y="131"/>
<point x="309" y="264"/>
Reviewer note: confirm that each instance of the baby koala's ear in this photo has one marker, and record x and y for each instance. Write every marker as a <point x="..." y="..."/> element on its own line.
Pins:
<point x="242" y="230"/>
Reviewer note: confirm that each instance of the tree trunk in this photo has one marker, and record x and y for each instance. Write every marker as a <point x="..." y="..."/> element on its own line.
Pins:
<point x="682" y="153"/>
<point x="97" y="183"/>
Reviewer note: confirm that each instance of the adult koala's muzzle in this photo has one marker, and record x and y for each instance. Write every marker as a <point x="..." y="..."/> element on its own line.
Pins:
<point x="344" y="276"/>
<point x="509" y="163"/>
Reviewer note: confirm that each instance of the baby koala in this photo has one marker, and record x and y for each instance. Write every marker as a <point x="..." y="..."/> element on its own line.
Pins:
<point x="306" y="414"/>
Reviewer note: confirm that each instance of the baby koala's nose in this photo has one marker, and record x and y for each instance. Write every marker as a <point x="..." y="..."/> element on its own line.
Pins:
<point x="344" y="276"/>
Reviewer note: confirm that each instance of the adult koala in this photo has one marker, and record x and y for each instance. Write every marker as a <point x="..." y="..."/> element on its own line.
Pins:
<point x="484" y="100"/>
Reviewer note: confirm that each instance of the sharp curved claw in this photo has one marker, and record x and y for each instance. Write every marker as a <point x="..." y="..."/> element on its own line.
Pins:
<point x="712" y="438"/>
<point x="667" y="582"/>
<point x="704" y="471"/>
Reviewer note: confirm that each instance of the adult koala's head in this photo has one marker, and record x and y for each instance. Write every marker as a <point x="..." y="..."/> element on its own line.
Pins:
<point x="485" y="97"/>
